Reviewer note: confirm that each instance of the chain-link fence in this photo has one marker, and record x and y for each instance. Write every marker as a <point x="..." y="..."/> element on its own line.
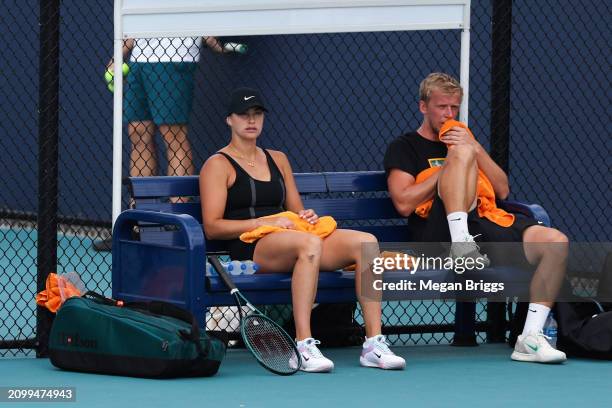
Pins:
<point x="538" y="79"/>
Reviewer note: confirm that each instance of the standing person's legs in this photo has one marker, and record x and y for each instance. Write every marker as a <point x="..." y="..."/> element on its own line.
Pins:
<point x="141" y="131"/>
<point x="143" y="156"/>
<point x="178" y="148"/>
<point x="170" y="95"/>
<point x="141" y="128"/>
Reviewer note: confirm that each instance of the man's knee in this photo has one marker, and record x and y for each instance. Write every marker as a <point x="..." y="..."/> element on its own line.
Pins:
<point x="547" y="241"/>
<point x="557" y="236"/>
<point x="464" y="153"/>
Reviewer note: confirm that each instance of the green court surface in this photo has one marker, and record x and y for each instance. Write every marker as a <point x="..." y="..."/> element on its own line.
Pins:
<point x="435" y="376"/>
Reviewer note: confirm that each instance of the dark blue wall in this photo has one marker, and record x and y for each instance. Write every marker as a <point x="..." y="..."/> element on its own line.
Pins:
<point x="335" y="101"/>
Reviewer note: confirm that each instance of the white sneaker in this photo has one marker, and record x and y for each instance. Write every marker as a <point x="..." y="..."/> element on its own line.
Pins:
<point x="313" y="361"/>
<point x="535" y="347"/>
<point x="375" y="353"/>
<point x="468" y="249"/>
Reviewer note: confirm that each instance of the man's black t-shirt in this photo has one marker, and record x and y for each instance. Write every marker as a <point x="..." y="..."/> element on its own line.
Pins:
<point x="413" y="153"/>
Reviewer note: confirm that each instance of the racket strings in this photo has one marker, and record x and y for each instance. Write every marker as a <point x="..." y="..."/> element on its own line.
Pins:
<point x="269" y="343"/>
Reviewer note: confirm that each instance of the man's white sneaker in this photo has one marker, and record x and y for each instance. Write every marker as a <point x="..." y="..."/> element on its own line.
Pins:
<point x="313" y="361"/>
<point x="469" y="249"/>
<point x="534" y="347"/>
<point x="375" y="353"/>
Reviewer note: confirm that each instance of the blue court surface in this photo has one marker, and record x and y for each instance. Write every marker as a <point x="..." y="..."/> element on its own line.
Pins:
<point x="435" y="376"/>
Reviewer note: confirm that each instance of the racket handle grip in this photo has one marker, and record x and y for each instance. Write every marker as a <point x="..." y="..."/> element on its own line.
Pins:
<point x="216" y="264"/>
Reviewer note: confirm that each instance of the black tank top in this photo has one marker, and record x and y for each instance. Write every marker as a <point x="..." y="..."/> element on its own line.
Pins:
<point x="250" y="198"/>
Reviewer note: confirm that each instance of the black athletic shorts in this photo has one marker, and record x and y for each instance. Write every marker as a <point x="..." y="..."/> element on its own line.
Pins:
<point x="435" y="229"/>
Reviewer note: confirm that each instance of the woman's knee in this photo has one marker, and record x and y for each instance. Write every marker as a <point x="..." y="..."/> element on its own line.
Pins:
<point x="309" y="247"/>
<point x="365" y="237"/>
<point x="364" y="240"/>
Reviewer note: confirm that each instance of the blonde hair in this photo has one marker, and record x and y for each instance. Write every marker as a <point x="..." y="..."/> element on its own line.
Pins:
<point x="438" y="80"/>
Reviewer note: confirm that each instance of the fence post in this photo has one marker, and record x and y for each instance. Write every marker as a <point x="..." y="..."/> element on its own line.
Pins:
<point x="48" y="128"/>
<point x="501" y="55"/>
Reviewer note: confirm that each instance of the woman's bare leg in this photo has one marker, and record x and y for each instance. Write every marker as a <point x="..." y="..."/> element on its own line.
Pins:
<point x="347" y="247"/>
<point x="300" y="252"/>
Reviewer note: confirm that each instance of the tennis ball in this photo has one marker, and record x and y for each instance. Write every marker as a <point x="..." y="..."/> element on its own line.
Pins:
<point x="109" y="76"/>
<point x="236" y="47"/>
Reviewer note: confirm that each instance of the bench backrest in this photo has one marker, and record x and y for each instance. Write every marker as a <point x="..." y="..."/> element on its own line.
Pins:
<point x="357" y="200"/>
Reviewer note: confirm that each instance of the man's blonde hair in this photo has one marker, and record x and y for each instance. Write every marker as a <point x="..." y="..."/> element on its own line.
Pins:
<point x="438" y="80"/>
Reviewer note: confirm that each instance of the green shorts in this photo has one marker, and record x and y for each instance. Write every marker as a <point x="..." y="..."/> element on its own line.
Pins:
<point x="159" y="91"/>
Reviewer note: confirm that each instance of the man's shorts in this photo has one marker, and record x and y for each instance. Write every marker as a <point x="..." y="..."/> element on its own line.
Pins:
<point x="435" y="229"/>
<point x="159" y="91"/>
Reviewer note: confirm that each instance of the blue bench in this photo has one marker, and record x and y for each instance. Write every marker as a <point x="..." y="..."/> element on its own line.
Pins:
<point x="159" y="248"/>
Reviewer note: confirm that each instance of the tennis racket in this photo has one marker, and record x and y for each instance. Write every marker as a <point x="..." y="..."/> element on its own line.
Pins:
<point x="273" y="348"/>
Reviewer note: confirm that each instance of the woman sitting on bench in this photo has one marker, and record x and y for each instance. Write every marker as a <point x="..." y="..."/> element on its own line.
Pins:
<point x="243" y="183"/>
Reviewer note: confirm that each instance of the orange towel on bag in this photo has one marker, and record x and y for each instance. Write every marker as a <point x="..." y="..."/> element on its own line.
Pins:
<point x="323" y="227"/>
<point x="487" y="207"/>
<point x="57" y="291"/>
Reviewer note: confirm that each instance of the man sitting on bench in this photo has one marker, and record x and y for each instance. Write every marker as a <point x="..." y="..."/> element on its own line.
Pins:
<point x="241" y="188"/>
<point x="450" y="167"/>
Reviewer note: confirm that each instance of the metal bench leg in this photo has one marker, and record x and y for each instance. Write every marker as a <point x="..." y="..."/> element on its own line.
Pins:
<point x="465" y="324"/>
<point x="496" y="322"/>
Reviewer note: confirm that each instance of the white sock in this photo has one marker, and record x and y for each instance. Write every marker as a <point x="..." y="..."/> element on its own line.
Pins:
<point x="370" y="339"/>
<point x="536" y="317"/>
<point x="457" y="224"/>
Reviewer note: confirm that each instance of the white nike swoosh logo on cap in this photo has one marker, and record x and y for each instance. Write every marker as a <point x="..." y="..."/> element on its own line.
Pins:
<point x="246" y="98"/>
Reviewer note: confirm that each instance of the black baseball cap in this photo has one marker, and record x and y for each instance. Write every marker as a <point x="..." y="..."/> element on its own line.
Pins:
<point x="243" y="99"/>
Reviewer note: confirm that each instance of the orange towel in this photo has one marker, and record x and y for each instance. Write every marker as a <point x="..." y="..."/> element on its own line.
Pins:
<point x="323" y="227"/>
<point x="57" y="291"/>
<point x="486" y="195"/>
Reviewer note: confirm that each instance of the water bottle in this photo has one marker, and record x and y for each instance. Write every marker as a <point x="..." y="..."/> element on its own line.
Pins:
<point x="550" y="329"/>
<point x="250" y="267"/>
<point x="236" y="268"/>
